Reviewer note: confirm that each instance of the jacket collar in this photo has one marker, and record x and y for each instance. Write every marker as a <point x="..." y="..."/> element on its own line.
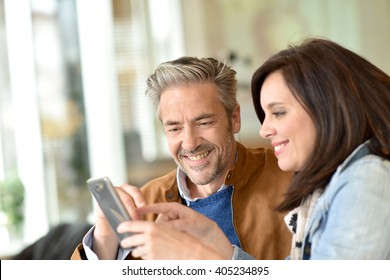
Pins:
<point x="359" y="152"/>
<point x="238" y="172"/>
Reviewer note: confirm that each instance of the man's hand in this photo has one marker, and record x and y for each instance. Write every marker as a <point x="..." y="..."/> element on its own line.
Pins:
<point x="105" y="241"/>
<point x="156" y="241"/>
<point x="174" y="220"/>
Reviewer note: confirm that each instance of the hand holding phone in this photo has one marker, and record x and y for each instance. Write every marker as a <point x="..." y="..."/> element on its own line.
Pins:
<point x="110" y="203"/>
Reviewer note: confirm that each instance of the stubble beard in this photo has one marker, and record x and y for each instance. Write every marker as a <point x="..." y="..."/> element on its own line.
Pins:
<point x="199" y="174"/>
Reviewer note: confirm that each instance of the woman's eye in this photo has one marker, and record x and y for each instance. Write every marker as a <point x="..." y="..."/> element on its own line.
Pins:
<point x="279" y="113"/>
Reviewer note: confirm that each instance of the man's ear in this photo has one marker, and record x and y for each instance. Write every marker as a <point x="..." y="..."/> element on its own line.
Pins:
<point x="236" y="119"/>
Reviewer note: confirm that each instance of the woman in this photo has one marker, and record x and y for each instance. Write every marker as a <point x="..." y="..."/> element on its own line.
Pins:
<point x="326" y="111"/>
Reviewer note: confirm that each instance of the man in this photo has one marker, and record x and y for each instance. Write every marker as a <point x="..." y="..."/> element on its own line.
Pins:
<point x="217" y="176"/>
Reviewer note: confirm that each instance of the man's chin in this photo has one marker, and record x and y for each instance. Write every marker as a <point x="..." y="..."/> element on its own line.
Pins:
<point x="199" y="179"/>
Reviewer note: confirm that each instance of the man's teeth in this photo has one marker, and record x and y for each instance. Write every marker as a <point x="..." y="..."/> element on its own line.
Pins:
<point x="198" y="157"/>
<point x="278" y="147"/>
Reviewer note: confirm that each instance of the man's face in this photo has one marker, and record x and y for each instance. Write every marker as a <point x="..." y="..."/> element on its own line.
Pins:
<point x="199" y="136"/>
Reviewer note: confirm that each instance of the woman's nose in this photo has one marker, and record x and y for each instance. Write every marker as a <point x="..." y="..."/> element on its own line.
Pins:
<point x="265" y="130"/>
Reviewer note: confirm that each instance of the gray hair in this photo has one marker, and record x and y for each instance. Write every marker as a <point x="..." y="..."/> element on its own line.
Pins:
<point x="188" y="71"/>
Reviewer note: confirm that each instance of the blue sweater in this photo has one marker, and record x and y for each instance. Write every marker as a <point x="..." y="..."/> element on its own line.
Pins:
<point x="218" y="207"/>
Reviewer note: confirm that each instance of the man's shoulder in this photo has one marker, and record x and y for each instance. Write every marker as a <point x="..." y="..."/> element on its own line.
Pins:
<point x="259" y="154"/>
<point x="259" y="162"/>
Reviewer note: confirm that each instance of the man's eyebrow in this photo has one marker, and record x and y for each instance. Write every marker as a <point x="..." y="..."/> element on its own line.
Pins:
<point x="198" y="118"/>
<point x="168" y="122"/>
<point x="202" y="117"/>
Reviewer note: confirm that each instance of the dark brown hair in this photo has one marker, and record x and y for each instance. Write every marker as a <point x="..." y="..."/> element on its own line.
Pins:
<point x="348" y="99"/>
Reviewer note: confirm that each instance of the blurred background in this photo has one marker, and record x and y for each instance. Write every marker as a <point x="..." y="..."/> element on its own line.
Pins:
<point x="72" y="83"/>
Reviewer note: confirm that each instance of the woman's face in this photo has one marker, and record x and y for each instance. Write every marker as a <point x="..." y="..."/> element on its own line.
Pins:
<point x="286" y="124"/>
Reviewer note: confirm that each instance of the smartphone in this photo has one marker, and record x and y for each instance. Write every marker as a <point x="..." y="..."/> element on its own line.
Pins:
<point x="110" y="203"/>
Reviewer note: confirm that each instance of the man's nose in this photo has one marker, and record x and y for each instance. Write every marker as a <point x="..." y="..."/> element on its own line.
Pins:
<point x="190" y="139"/>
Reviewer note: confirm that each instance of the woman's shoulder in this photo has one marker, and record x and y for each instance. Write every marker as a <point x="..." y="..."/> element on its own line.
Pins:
<point x="368" y="173"/>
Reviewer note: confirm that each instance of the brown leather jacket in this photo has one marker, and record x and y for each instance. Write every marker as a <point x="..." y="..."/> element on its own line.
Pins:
<point x="259" y="185"/>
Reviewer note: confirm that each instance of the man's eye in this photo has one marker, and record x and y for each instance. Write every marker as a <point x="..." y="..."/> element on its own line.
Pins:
<point x="173" y="130"/>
